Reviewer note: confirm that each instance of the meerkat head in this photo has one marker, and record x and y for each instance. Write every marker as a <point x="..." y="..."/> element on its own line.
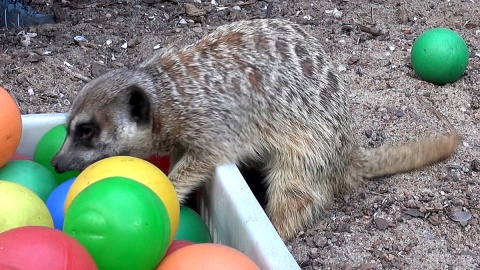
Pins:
<point x="112" y="115"/>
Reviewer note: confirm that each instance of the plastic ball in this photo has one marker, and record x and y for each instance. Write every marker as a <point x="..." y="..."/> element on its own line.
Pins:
<point x="162" y="162"/>
<point x="207" y="256"/>
<point x="192" y="227"/>
<point x="19" y="206"/>
<point x="34" y="247"/>
<point x="136" y="169"/>
<point x="31" y="175"/>
<point x="56" y="201"/>
<point x="439" y="56"/>
<point x="176" y="245"/>
<point x="17" y="156"/>
<point x="48" y="146"/>
<point x="11" y="122"/>
<point x="121" y="222"/>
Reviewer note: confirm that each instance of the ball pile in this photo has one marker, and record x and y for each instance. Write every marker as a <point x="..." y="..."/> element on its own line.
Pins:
<point x="119" y="213"/>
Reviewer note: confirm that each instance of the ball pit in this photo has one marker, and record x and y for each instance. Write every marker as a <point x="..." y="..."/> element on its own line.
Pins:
<point x="19" y="206"/>
<point x="222" y="233"/>
<point x="35" y="247"/>
<point x="48" y="147"/>
<point x="136" y="169"/>
<point x="207" y="256"/>
<point x="121" y="222"/>
<point x="439" y="56"/>
<point x="11" y="131"/>
<point x="56" y="201"/>
<point x="191" y="227"/>
<point x="31" y="175"/>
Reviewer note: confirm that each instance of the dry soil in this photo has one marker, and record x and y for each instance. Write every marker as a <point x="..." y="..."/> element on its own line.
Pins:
<point x="427" y="219"/>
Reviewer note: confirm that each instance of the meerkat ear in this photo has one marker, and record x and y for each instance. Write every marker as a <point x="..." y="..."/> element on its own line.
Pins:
<point x="139" y="105"/>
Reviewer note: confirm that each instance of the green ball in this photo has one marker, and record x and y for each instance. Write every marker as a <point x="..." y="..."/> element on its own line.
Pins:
<point x="191" y="227"/>
<point x="439" y="56"/>
<point x="31" y="175"/>
<point x="48" y="147"/>
<point x="122" y="223"/>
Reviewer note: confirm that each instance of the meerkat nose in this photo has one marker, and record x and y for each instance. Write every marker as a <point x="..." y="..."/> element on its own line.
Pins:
<point x="57" y="164"/>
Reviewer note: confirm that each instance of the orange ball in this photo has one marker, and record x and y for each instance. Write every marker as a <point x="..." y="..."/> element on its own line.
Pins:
<point x="11" y="126"/>
<point x="207" y="256"/>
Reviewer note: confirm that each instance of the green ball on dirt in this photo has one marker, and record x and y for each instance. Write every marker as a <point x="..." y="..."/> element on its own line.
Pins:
<point x="439" y="56"/>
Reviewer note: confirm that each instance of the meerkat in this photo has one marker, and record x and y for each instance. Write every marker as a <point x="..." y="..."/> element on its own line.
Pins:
<point x="260" y="90"/>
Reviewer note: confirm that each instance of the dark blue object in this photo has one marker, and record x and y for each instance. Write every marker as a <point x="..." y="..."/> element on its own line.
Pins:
<point x="15" y="13"/>
<point x="56" y="202"/>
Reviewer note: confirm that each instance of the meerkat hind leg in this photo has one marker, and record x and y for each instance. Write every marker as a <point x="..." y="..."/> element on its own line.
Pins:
<point x="290" y="201"/>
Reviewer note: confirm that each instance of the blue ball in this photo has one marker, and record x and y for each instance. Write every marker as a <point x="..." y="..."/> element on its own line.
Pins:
<point x="56" y="202"/>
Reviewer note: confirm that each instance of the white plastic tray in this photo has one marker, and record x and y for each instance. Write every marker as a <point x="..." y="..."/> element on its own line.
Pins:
<point x="227" y="205"/>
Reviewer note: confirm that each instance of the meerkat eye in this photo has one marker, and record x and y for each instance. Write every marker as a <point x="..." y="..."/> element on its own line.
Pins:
<point x="85" y="132"/>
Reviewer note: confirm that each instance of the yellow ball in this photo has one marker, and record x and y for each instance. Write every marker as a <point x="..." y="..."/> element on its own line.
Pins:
<point x="19" y="207"/>
<point x="136" y="169"/>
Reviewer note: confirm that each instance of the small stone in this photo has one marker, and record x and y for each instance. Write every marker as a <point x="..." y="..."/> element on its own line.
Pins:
<point x="452" y="176"/>
<point x="434" y="220"/>
<point x="321" y="241"/>
<point x="475" y="165"/>
<point x="238" y="8"/>
<point x="368" y="133"/>
<point x="352" y="60"/>
<point x="380" y="223"/>
<point x="458" y="215"/>
<point x="437" y="206"/>
<point x="30" y="92"/>
<point x="415" y="212"/>
<point x="192" y="10"/>
<point x="80" y="39"/>
<point x="182" y="21"/>
<point x="400" y="114"/>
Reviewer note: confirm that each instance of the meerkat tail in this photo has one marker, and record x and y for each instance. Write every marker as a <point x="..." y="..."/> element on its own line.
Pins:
<point x="409" y="157"/>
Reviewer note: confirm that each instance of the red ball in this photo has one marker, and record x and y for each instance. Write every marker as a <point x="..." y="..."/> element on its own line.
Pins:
<point x="7" y="267"/>
<point x="162" y="162"/>
<point x="18" y="156"/>
<point x="36" y="247"/>
<point x="176" y="245"/>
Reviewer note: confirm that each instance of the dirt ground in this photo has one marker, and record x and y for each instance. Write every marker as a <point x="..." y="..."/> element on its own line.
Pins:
<point x="427" y="219"/>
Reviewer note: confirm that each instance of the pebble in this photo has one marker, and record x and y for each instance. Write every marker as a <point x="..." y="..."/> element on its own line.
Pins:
<point x="400" y="114"/>
<point x="320" y="241"/>
<point x="458" y="215"/>
<point x="475" y="165"/>
<point x="381" y="223"/>
<point x="30" y="92"/>
<point x="368" y="133"/>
